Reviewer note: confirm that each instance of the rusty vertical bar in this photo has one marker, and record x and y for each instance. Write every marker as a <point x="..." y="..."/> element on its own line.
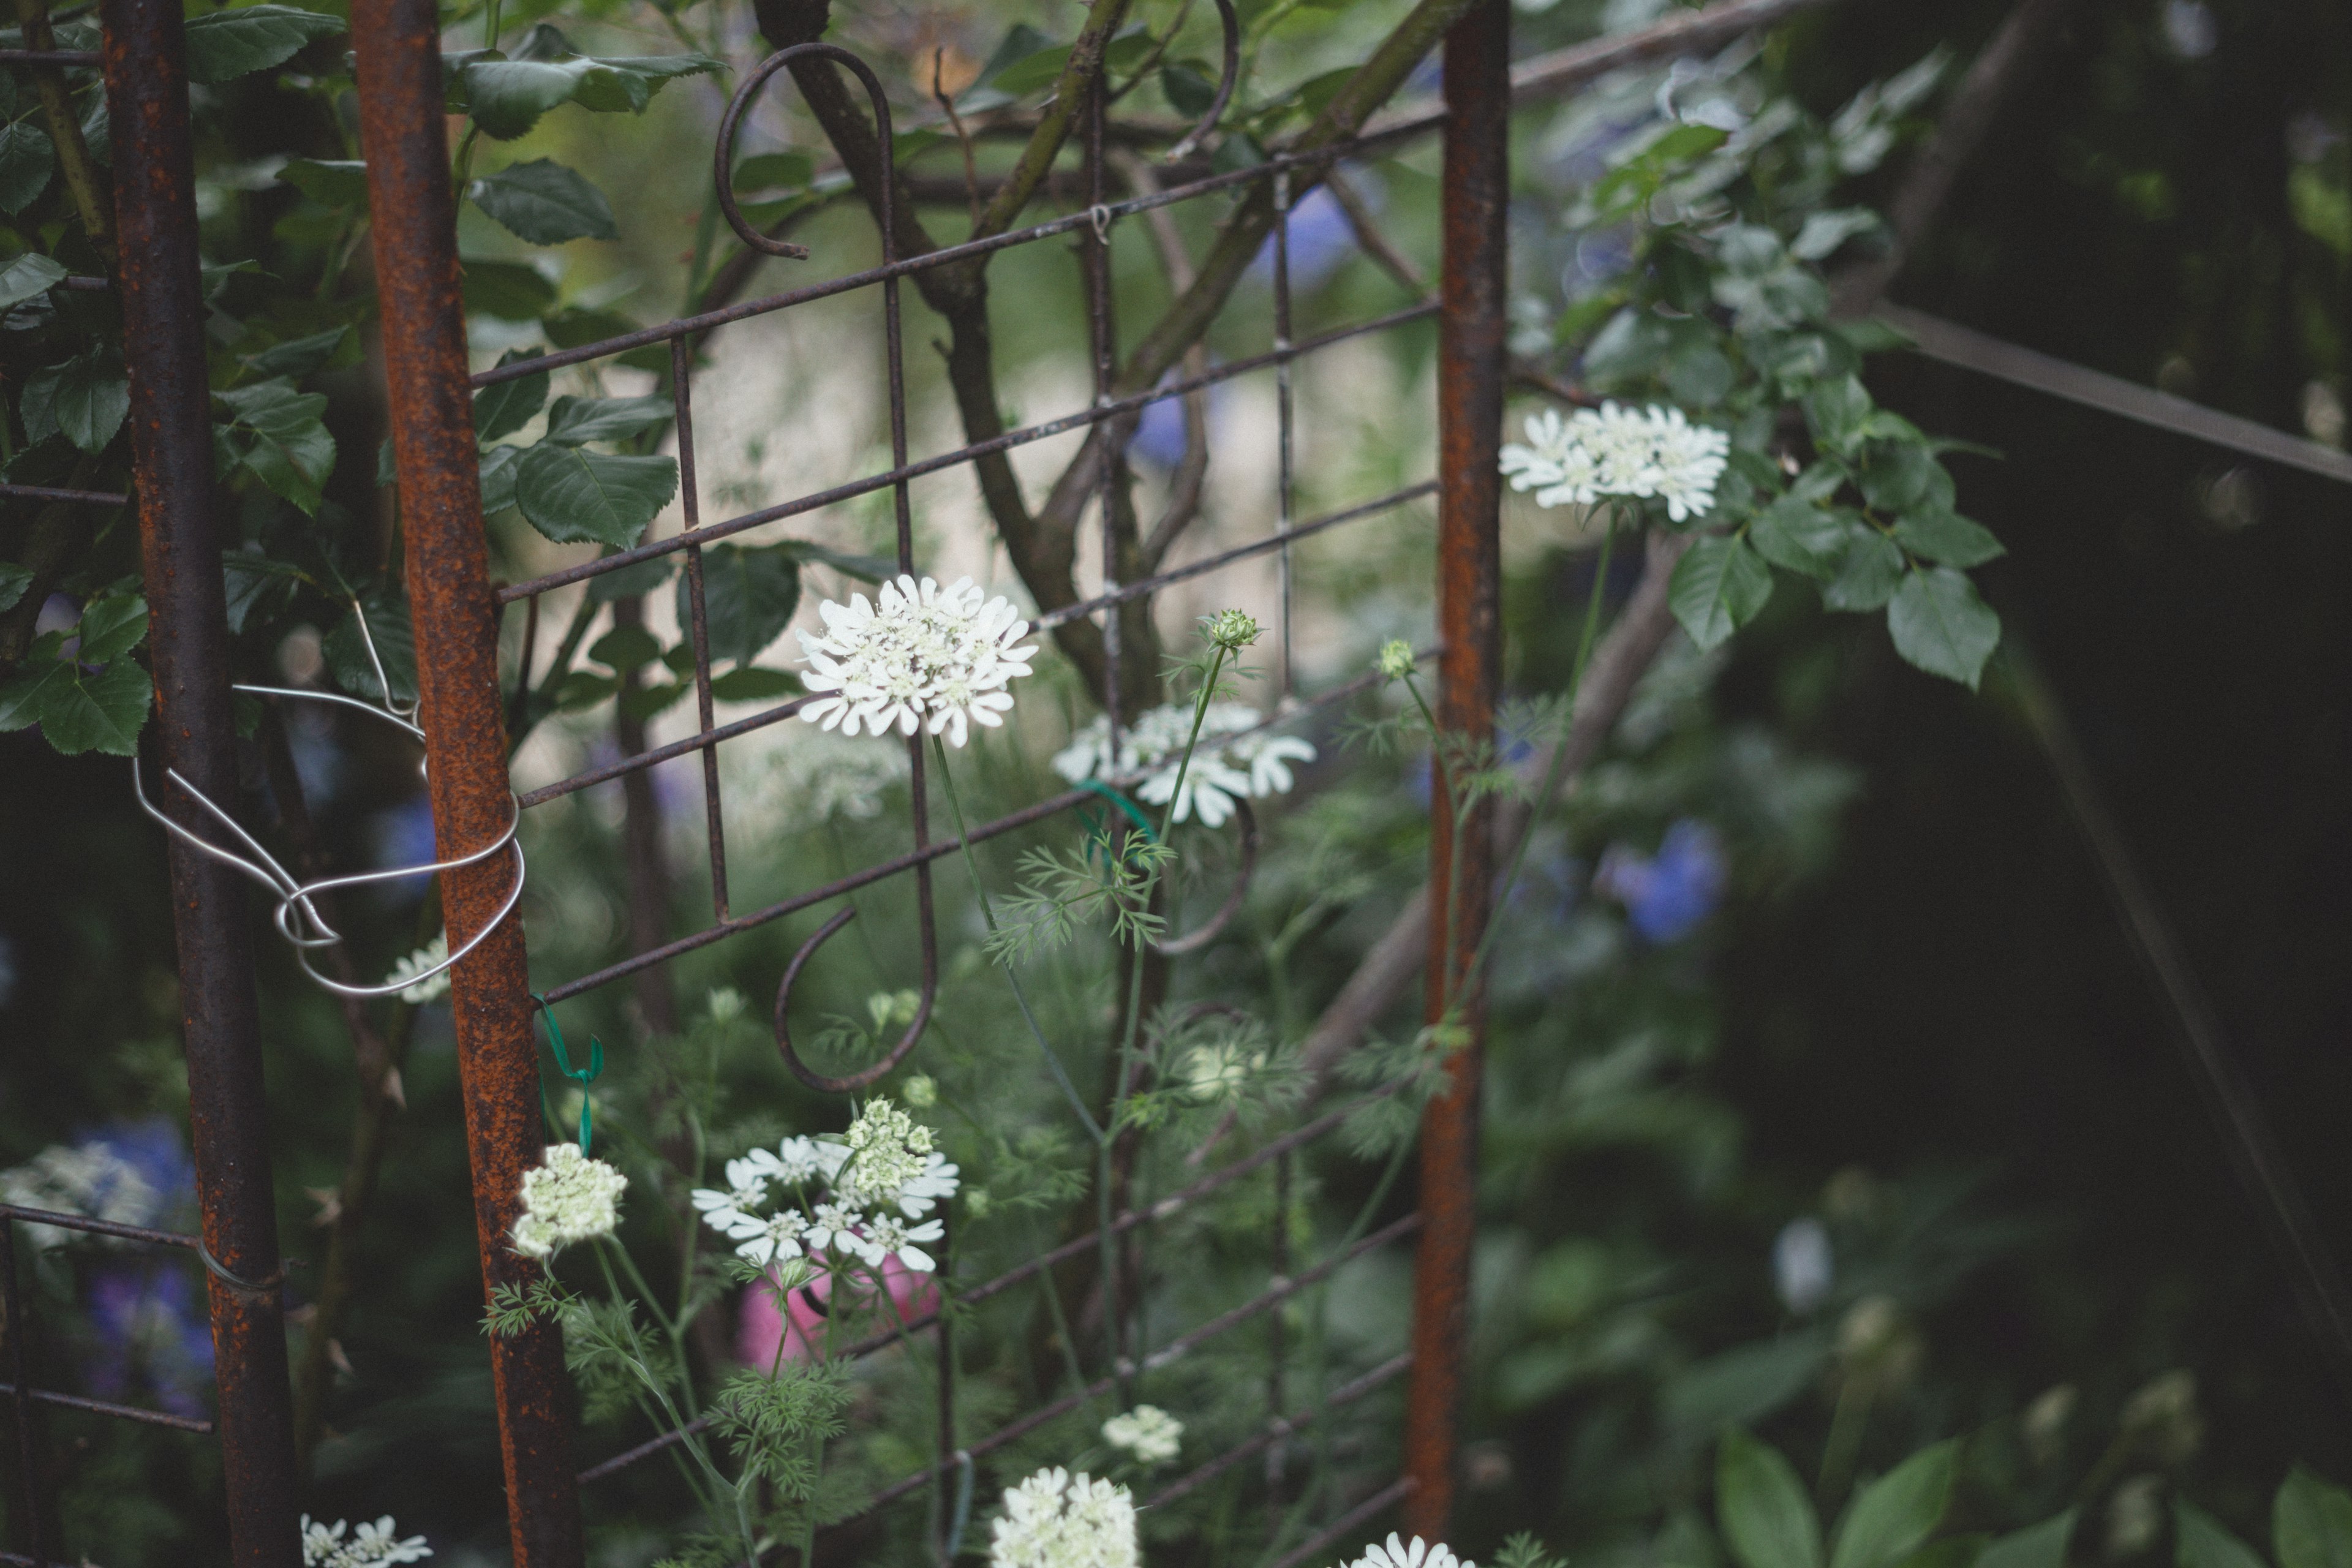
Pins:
<point x="681" y="391"/>
<point x="20" y="1398"/>
<point x="1470" y="338"/>
<point x="397" y="43"/>
<point x="171" y="451"/>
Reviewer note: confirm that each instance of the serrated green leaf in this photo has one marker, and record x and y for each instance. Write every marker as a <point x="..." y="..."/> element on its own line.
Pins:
<point x="2200" y="1540"/>
<point x="89" y="399"/>
<point x="504" y="407"/>
<point x="110" y="627"/>
<point x="27" y="276"/>
<point x="1836" y="411"/>
<point x="28" y="159"/>
<point x="499" y="467"/>
<point x="14" y="581"/>
<point x="1941" y="627"/>
<point x="20" y="694"/>
<point x="280" y="435"/>
<point x="1868" y="576"/>
<point x="1766" y="1517"/>
<point x="1894" y="1516"/>
<point x="750" y="685"/>
<point x="298" y="357"/>
<point x="1898" y="475"/>
<point x="1947" y="539"/>
<point x="576" y="421"/>
<point x="545" y="204"/>
<point x="226" y="44"/>
<point x="102" y="713"/>
<point x="1800" y="537"/>
<point x="625" y="649"/>
<point x="2311" y="1522"/>
<point x="572" y="495"/>
<point x="337" y="184"/>
<point x="395" y="645"/>
<point x="2040" y="1545"/>
<point x="509" y="291"/>
<point x="1720" y="585"/>
<point x="250" y="579"/>
<point x="506" y="98"/>
<point x="747" y="596"/>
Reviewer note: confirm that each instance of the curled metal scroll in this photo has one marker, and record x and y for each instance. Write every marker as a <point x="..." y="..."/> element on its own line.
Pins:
<point x="722" y="157"/>
<point x="886" y="215"/>
<point x="1229" y="74"/>
<point x="1202" y="936"/>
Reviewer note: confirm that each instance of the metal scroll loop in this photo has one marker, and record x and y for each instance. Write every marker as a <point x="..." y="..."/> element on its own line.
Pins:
<point x="723" y="155"/>
<point x="1228" y="75"/>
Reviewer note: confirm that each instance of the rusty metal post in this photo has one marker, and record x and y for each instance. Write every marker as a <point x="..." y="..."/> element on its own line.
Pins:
<point x="398" y="47"/>
<point x="1471" y="353"/>
<point x="172" y="446"/>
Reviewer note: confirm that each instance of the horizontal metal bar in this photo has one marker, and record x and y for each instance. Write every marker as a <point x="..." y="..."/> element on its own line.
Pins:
<point x="883" y="869"/>
<point x="46" y="493"/>
<point x="101" y="1407"/>
<point x="820" y="500"/>
<point x="1954" y="344"/>
<point x="95" y="1226"/>
<point x="1172" y="1204"/>
<point x="660" y="755"/>
<point x="1353" y="1519"/>
<point x="1282" y="1427"/>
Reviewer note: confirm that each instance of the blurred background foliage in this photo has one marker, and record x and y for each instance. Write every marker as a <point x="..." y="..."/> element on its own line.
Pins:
<point x="1827" y="1098"/>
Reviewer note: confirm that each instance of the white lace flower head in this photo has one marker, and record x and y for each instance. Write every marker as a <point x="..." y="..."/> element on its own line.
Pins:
<point x="922" y="657"/>
<point x="761" y="1242"/>
<point x="919" y="1194"/>
<point x="1397" y="1554"/>
<point x="1220" y="1071"/>
<point x="885" y="1236"/>
<point x="887" y="1148"/>
<point x="1619" y="452"/>
<point x="372" y="1546"/>
<point x="569" y="1198"/>
<point x="1235" y="759"/>
<point x="88" y="1179"/>
<point x="417" y="962"/>
<point x="1147" y="1432"/>
<point x="1054" y="1520"/>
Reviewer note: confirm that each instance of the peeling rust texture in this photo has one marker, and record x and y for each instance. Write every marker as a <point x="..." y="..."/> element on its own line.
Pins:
<point x="415" y="234"/>
<point x="171" y="435"/>
<point x="1471" y="363"/>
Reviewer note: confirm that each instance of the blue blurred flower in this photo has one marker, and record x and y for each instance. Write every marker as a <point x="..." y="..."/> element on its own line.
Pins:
<point x="1321" y="238"/>
<point x="1666" y="895"/>
<point x="404" y="836"/>
<point x="1803" y="1265"/>
<point x="1159" y="436"/>
<point x="150" y="1328"/>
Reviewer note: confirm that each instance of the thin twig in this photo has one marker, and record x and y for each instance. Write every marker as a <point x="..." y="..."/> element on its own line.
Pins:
<point x="963" y="136"/>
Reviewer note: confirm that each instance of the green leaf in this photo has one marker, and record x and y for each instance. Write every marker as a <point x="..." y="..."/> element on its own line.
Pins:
<point x="1825" y="231"/>
<point x="1039" y="70"/>
<point x="87" y="399"/>
<point x="773" y="172"/>
<point x="2040" y="1545"/>
<point x="28" y="159"/>
<point x="499" y="467"/>
<point x="102" y="713"/>
<point x="251" y="581"/>
<point x="1766" y="1519"/>
<point x="21" y="693"/>
<point x="753" y="685"/>
<point x="644" y="701"/>
<point x="509" y="291"/>
<point x="1900" y="475"/>
<point x="1947" y="539"/>
<point x="1868" y="578"/>
<point x="544" y="203"/>
<point x="1894" y="1516"/>
<point x="1836" y="411"/>
<point x="572" y="495"/>
<point x="1742" y="1384"/>
<point x="506" y="98"/>
<point x="864" y="568"/>
<point x="625" y="649"/>
<point x="504" y="407"/>
<point x="110" y="627"/>
<point x="14" y="581"/>
<point x="1798" y="536"/>
<point x="280" y="435"/>
<point x="226" y="44"/>
<point x="2200" y="1540"/>
<point x="395" y="645"/>
<point x="2310" y="1523"/>
<point x="298" y="357"/>
<point x="1941" y="627"/>
<point x="339" y="184"/>
<point x="748" y="598"/>
<point x="1189" y="86"/>
<point x="576" y="421"/>
<point x="585" y="688"/>
<point x="1630" y="346"/>
<point x="27" y="276"/>
<point x="1719" y="586"/>
<point x="632" y="582"/>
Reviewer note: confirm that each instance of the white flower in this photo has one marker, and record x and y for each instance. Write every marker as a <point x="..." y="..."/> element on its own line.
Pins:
<point x="1147" y="1432"/>
<point x="372" y="1546"/>
<point x="766" y="1240"/>
<point x="919" y="1194"/>
<point x="1054" y="1520"/>
<point x="88" y="1179"/>
<point x="1617" y="451"/>
<point x="801" y="1160"/>
<point x="1220" y="1072"/>
<point x="1397" y="1554"/>
<point x="417" y="962"/>
<point x="885" y="1235"/>
<point x="570" y="1198"/>
<point x="1234" y="759"/>
<point x="831" y="1226"/>
<point x="887" y="1149"/>
<point x="923" y="657"/>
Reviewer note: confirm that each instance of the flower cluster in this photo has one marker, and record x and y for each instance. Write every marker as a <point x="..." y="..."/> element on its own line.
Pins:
<point x="570" y="1198"/>
<point x="922" y="656"/>
<point x="1235" y="759"/>
<point x="1055" y="1520"/>
<point x="371" y="1546"/>
<point x="1419" y="1554"/>
<point x="852" y="1197"/>
<point x="91" y="1178"/>
<point x="428" y="990"/>
<point x="1220" y="1071"/>
<point x="1625" y="452"/>
<point x="1147" y="1432"/>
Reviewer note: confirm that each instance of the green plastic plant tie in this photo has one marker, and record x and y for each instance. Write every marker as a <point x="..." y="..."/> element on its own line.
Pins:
<point x="1098" y="836"/>
<point x="564" y="1064"/>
